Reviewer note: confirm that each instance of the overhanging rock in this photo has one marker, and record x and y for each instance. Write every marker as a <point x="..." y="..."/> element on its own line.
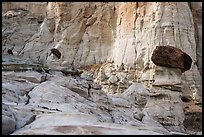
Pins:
<point x="169" y="56"/>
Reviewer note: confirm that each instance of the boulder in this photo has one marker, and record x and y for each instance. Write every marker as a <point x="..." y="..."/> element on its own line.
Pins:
<point x="136" y="94"/>
<point x="172" y="57"/>
<point x="113" y="79"/>
<point x="8" y="120"/>
<point x="8" y="125"/>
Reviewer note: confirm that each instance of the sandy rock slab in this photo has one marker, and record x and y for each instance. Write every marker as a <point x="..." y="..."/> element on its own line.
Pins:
<point x="81" y="124"/>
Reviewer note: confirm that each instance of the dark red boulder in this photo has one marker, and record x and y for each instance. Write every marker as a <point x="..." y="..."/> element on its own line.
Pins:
<point x="173" y="57"/>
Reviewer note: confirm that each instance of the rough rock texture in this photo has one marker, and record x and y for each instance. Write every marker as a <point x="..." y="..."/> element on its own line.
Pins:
<point x="8" y="120"/>
<point x="60" y="104"/>
<point x="125" y="33"/>
<point x="37" y="8"/>
<point x="196" y="8"/>
<point x="112" y="43"/>
<point x="169" y="56"/>
<point x="18" y="26"/>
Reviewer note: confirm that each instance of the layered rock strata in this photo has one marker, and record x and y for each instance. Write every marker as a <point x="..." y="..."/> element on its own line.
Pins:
<point x="117" y="40"/>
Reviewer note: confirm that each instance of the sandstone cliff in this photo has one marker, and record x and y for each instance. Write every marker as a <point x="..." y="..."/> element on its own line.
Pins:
<point x="112" y="43"/>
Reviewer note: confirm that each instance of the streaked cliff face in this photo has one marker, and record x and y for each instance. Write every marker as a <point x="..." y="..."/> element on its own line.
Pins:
<point x="87" y="33"/>
<point x="113" y="44"/>
<point x="96" y="32"/>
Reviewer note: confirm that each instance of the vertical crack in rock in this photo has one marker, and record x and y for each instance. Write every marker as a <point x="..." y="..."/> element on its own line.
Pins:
<point x="100" y="45"/>
<point x="192" y="29"/>
<point x="20" y="52"/>
<point x="135" y="57"/>
<point x="162" y="6"/>
<point x="124" y="51"/>
<point x="177" y="9"/>
<point x="173" y="23"/>
<point x="48" y="53"/>
<point x="109" y="109"/>
<point x="80" y="58"/>
<point x="136" y="15"/>
<point x="195" y="27"/>
<point x="88" y="53"/>
<point x="94" y="58"/>
<point x="196" y="22"/>
<point x="81" y="32"/>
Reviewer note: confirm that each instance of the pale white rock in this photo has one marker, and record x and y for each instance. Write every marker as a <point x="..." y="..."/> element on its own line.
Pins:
<point x="113" y="79"/>
<point x="9" y="97"/>
<point x="147" y="119"/>
<point x="61" y="119"/>
<point x="58" y="99"/>
<point x="58" y="73"/>
<point x="31" y="76"/>
<point x="20" y="88"/>
<point x="117" y="101"/>
<point x="137" y="94"/>
<point x="18" y="30"/>
<point x="192" y="84"/>
<point x="138" y="115"/>
<point x="43" y="37"/>
<point x="48" y="92"/>
<point x="15" y="88"/>
<point x="56" y="96"/>
<point x="166" y="108"/>
<point x="22" y="116"/>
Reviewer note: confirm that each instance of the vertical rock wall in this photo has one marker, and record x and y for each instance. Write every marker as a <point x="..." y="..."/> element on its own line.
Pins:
<point x="196" y="8"/>
<point x="83" y="32"/>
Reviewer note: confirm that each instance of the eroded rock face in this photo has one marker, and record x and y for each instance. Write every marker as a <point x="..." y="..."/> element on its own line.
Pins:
<point x="170" y="56"/>
<point x="65" y="100"/>
<point x="92" y="34"/>
<point x="37" y="8"/>
<point x="196" y="8"/>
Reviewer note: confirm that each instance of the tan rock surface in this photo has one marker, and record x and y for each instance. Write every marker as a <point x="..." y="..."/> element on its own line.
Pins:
<point x="103" y="38"/>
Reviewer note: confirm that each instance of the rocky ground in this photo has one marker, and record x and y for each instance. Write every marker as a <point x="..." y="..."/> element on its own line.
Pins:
<point x="38" y="102"/>
<point x="52" y="103"/>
